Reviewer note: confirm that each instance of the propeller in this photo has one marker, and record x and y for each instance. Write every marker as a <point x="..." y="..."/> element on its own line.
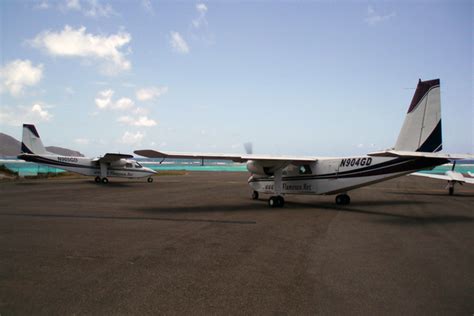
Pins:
<point x="248" y="148"/>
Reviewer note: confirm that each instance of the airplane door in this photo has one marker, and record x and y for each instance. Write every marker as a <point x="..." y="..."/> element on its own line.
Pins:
<point x="334" y="167"/>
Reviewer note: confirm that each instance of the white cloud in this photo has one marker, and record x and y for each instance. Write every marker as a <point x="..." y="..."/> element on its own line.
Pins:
<point x="43" y="5"/>
<point x="123" y="104"/>
<point x="373" y="17"/>
<point x="178" y="43"/>
<point x="82" y="141"/>
<point x="90" y="8"/>
<point x="38" y="111"/>
<point x="16" y="116"/>
<point x="69" y="90"/>
<point x="72" y="43"/>
<point x="147" y="94"/>
<point x="140" y="111"/>
<point x="130" y="138"/>
<point x="104" y="99"/>
<point x="146" y="4"/>
<point x="19" y="73"/>
<point x="73" y="5"/>
<point x="142" y="121"/>
<point x="201" y="8"/>
<point x="96" y="9"/>
<point x="138" y="117"/>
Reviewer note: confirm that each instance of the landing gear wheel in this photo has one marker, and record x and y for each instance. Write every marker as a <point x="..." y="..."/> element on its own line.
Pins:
<point x="281" y="201"/>
<point x="276" y="201"/>
<point x="97" y="179"/>
<point x="150" y="180"/>
<point x="343" y="199"/>
<point x="254" y="195"/>
<point x="105" y="180"/>
<point x="451" y="190"/>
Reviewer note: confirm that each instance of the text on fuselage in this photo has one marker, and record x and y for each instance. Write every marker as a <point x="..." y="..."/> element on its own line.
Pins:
<point x="351" y="162"/>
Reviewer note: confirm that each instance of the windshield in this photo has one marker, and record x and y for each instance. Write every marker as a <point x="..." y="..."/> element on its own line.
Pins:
<point x="137" y="165"/>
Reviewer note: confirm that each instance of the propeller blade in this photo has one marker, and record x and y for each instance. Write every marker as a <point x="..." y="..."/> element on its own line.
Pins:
<point x="454" y="165"/>
<point x="248" y="148"/>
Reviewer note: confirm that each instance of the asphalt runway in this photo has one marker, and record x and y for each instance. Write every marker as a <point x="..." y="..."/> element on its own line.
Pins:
<point x="197" y="244"/>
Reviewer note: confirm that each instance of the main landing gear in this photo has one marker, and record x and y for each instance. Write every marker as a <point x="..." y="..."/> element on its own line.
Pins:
<point x="343" y="199"/>
<point x="149" y="180"/>
<point x="103" y="180"/>
<point x="276" y="201"/>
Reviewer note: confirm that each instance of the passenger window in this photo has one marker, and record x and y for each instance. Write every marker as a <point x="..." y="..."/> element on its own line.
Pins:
<point x="305" y="169"/>
<point x="128" y="165"/>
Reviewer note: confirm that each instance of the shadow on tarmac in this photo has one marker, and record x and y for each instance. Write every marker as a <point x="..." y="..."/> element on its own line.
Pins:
<point x="389" y="218"/>
<point x="129" y="218"/>
<point x="438" y="194"/>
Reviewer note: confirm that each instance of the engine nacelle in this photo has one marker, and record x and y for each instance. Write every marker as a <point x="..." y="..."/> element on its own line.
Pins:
<point x="119" y="163"/>
<point x="265" y="168"/>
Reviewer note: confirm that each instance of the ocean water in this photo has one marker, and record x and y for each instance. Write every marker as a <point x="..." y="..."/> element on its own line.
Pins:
<point x="32" y="169"/>
<point x="29" y="168"/>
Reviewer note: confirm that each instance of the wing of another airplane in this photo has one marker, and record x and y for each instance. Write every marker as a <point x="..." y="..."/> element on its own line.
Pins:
<point x="111" y="157"/>
<point x="419" y="154"/>
<point x="234" y="157"/>
<point x="458" y="177"/>
<point x="433" y="176"/>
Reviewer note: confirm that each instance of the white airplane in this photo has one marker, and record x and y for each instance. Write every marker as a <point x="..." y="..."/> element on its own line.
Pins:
<point x="451" y="176"/>
<point x="110" y="165"/>
<point x="416" y="148"/>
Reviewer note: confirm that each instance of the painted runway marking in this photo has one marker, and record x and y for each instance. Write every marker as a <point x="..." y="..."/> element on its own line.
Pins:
<point x="134" y="218"/>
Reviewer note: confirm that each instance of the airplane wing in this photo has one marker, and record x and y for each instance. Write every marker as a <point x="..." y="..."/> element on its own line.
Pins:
<point x="417" y="154"/>
<point x="445" y="177"/>
<point x="431" y="175"/>
<point x="234" y="157"/>
<point x="111" y="157"/>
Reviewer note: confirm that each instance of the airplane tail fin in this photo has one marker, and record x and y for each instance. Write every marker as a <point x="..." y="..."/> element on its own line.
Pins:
<point x="31" y="141"/>
<point x="421" y="130"/>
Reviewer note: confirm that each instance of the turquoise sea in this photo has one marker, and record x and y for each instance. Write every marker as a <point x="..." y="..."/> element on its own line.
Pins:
<point x="32" y="169"/>
<point x="29" y="168"/>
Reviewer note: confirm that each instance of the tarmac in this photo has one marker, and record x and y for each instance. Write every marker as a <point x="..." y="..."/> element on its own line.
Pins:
<point x="198" y="244"/>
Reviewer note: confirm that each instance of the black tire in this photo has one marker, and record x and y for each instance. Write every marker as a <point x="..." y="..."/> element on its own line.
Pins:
<point x="347" y="199"/>
<point x="105" y="180"/>
<point x="451" y="190"/>
<point x="97" y="179"/>
<point x="280" y="201"/>
<point x="150" y="180"/>
<point x="343" y="199"/>
<point x="273" y="202"/>
<point x="254" y="195"/>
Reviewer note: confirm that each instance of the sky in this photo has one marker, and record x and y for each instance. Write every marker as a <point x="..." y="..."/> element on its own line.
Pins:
<point x="319" y="78"/>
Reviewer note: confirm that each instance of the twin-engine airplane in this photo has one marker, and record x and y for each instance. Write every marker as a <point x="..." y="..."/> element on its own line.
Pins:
<point x="453" y="177"/>
<point x="110" y="165"/>
<point x="416" y="148"/>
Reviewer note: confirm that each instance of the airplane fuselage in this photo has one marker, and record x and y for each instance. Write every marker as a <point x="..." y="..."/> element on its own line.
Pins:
<point x="337" y="175"/>
<point x="90" y="167"/>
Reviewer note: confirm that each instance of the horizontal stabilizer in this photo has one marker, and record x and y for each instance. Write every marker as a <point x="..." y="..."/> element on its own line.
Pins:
<point x="418" y="154"/>
<point x="234" y="157"/>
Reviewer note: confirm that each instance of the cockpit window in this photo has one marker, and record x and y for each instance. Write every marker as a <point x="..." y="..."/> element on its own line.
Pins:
<point x="305" y="169"/>
<point x="128" y="165"/>
<point x="137" y="165"/>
